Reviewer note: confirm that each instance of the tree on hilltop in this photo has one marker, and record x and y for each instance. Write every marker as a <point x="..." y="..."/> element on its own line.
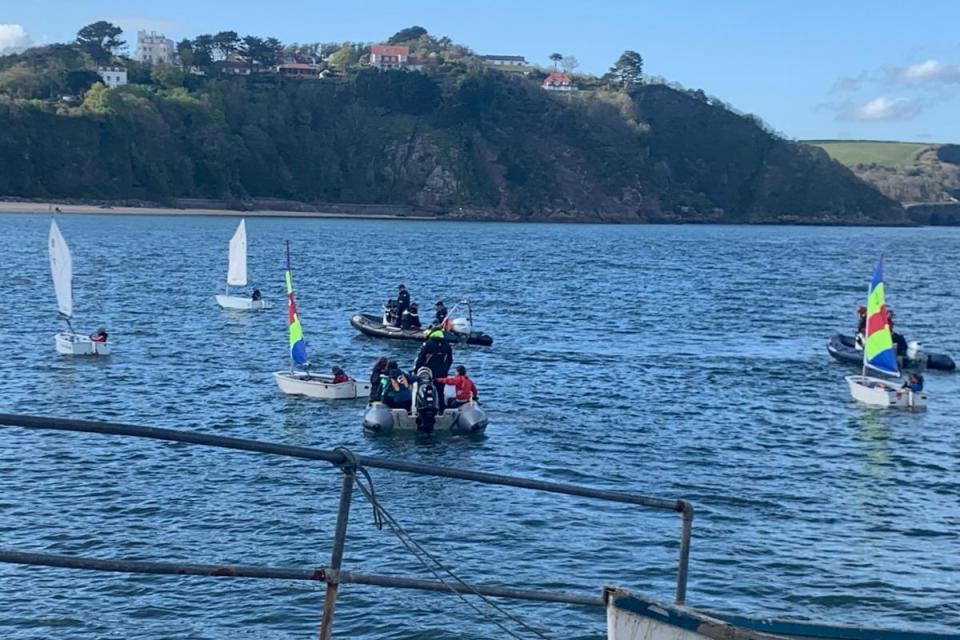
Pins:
<point x="225" y="43"/>
<point x="556" y="58"/>
<point x="569" y="63"/>
<point x="265" y="51"/>
<point x="100" y="40"/>
<point x="406" y="35"/>
<point x="627" y="71"/>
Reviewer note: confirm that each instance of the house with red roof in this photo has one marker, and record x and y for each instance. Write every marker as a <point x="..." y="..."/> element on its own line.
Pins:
<point x="558" y="81"/>
<point x="387" y="56"/>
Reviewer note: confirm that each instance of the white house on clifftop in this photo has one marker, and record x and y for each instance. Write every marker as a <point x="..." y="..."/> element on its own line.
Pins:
<point x="113" y="76"/>
<point x="155" y="48"/>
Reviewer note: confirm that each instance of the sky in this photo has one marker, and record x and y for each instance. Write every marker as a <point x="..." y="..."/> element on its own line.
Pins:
<point x="878" y="70"/>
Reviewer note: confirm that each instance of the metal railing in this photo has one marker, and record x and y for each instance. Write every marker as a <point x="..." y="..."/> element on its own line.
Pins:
<point x="349" y="464"/>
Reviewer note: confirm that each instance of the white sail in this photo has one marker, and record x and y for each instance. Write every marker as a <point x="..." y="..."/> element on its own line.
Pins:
<point x="61" y="266"/>
<point x="237" y="269"/>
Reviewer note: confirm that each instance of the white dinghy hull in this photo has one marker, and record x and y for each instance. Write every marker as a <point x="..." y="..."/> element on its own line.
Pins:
<point x="320" y="387"/>
<point x="74" y="344"/>
<point x="875" y="392"/>
<point x="243" y="303"/>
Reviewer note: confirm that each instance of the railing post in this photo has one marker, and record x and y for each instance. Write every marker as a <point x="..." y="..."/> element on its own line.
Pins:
<point x="336" y="556"/>
<point x="684" y="563"/>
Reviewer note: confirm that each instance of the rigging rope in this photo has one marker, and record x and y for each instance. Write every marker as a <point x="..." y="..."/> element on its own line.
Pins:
<point x="381" y="516"/>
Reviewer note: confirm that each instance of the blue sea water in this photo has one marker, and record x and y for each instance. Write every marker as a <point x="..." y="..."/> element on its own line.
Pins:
<point x="674" y="361"/>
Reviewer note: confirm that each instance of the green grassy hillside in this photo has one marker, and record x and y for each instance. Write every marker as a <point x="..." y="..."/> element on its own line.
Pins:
<point x="884" y="154"/>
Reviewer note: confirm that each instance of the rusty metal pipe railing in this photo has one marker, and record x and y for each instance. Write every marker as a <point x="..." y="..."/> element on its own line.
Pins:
<point x="319" y="574"/>
<point x="339" y="459"/>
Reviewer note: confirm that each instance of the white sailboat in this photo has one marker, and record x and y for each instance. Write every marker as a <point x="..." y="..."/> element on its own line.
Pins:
<point x="303" y="382"/>
<point x="237" y="274"/>
<point x="61" y="268"/>
<point x="879" y="355"/>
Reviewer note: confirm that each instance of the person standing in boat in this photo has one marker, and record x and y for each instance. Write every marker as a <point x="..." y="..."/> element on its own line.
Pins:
<point x="376" y="374"/>
<point x="403" y="303"/>
<point x="437" y="355"/>
<point x="466" y="389"/>
<point x="861" y="327"/>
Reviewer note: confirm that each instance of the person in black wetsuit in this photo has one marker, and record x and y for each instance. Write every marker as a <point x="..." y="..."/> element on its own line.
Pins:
<point x="441" y="314"/>
<point x="403" y="303"/>
<point x="256" y="295"/>
<point x="437" y="355"/>
<point x="411" y="319"/>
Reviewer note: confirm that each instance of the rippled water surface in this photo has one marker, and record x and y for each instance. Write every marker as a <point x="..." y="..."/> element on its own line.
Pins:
<point x="671" y="361"/>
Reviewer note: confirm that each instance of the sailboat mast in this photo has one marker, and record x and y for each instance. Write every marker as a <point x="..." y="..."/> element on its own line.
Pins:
<point x="290" y="277"/>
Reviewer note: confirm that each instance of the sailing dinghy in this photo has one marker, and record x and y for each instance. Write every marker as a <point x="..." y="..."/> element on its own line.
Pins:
<point x="879" y="355"/>
<point x="301" y="382"/>
<point x="61" y="267"/>
<point x="237" y="274"/>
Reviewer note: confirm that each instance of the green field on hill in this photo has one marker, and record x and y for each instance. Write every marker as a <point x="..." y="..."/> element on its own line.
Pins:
<point x="885" y="154"/>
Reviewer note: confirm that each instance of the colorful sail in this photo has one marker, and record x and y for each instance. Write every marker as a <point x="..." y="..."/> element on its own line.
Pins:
<point x="878" y="350"/>
<point x="298" y="348"/>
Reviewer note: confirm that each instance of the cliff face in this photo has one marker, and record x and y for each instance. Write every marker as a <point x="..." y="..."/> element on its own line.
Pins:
<point x="469" y="144"/>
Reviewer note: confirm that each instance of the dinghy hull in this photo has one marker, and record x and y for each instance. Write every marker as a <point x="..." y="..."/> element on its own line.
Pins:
<point x="74" y="344"/>
<point x="468" y="419"/>
<point x="320" y="387"/>
<point x="242" y="303"/>
<point x="875" y="392"/>
<point x="373" y="326"/>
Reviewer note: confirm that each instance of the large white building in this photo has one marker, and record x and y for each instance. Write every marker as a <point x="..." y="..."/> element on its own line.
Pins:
<point x="113" y="76"/>
<point x="155" y="48"/>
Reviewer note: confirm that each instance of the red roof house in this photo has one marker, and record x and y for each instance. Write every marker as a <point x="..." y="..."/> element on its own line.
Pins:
<point x="558" y="81"/>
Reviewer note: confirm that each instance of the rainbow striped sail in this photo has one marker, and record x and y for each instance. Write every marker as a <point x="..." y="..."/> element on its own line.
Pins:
<point x="298" y="348"/>
<point x="878" y="351"/>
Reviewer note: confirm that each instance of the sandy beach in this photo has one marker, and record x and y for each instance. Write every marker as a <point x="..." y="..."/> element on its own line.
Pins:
<point x="51" y="207"/>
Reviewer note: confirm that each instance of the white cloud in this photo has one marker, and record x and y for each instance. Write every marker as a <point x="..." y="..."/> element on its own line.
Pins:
<point x="13" y="38"/>
<point x="930" y="71"/>
<point x="885" y="109"/>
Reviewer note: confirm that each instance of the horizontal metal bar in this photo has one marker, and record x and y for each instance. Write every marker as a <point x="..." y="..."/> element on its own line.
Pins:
<point x="321" y="574"/>
<point x="335" y="458"/>
<point x="352" y="577"/>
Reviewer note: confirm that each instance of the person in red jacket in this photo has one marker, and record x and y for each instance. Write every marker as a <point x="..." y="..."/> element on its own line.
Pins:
<point x="466" y="390"/>
<point x="340" y="376"/>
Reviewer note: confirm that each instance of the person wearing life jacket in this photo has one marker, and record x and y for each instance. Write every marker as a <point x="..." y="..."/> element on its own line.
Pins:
<point x="914" y="383"/>
<point x="100" y="335"/>
<point x="466" y="389"/>
<point x="376" y="384"/>
<point x="437" y="355"/>
<point x="396" y="392"/>
<point x="339" y="375"/>
<point x="403" y="303"/>
<point x="861" y="327"/>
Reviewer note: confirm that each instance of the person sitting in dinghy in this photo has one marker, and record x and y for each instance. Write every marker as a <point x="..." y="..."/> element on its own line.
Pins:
<point x="466" y="389"/>
<point x="396" y="392"/>
<point x="99" y="336"/>
<point x="256" y="295"/>
<point x="411" y="318"/>
<point x="376" y="383"/>
<point x="914" y="383"/>
<point x="339" y="375"/>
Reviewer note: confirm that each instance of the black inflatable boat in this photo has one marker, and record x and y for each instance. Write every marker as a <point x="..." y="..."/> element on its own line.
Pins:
<point x="844" y="349"/>
<point x="372" y="325"/>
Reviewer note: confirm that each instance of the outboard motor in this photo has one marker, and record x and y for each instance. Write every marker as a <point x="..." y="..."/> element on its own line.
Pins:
<point x="916" y="358"/>
<point x="461" y="325"/>
<point x="428" y="405"/>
